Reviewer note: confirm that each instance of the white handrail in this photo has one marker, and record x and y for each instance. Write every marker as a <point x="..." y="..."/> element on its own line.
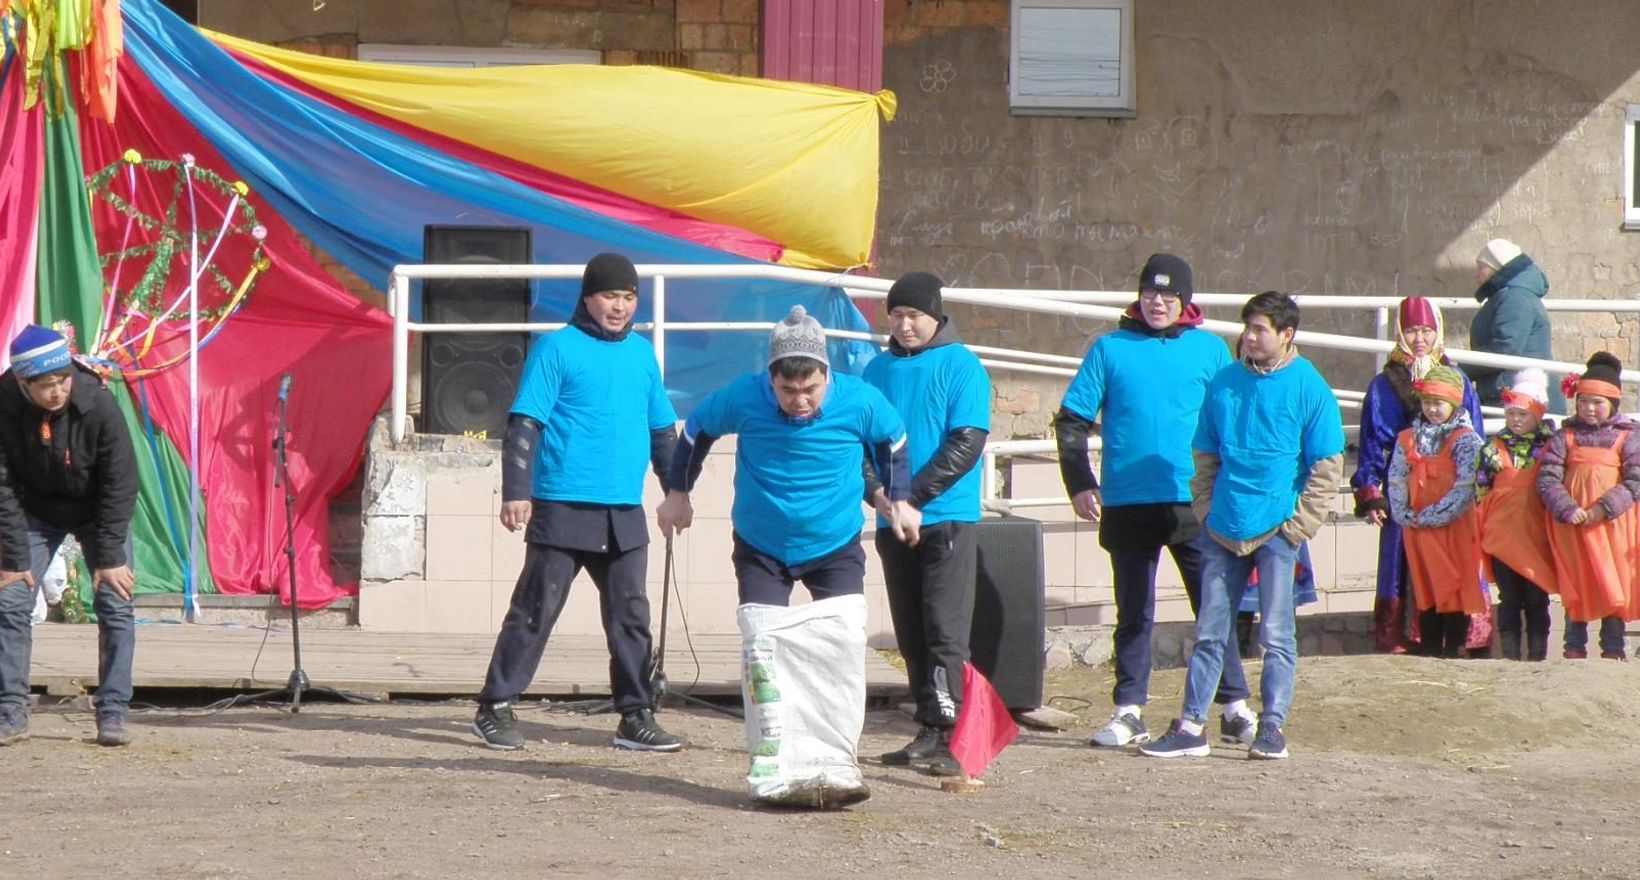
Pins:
<point x="1314" y="300"/>
<point x="1047" y="302"/>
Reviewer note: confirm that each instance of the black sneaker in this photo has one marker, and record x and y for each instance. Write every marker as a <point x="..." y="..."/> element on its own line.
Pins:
<point x="639" y="730"/>
<point x="111" y="730"/>
<point x="925" y="746"/>
<point x="498" y="727"/>
<point x="13" y="725"/>
<point x="1239" y="730"/>
<point x="1269" y="745"/>
<point x="943" y="763"/>
<point x="1177" y="743"/>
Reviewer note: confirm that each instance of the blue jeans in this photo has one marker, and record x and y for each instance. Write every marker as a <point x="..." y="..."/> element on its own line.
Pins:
<point x="1134" y="569"/>
<point x="1611" y="635"/>
<point x="116" y="629"/>
<point x="1224" y="579"/>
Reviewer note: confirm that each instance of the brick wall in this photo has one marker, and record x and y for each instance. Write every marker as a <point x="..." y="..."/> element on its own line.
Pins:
<point x="717" y="36"/>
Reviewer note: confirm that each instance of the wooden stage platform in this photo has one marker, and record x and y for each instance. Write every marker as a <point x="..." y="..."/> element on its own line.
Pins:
<point x="380" y="664"/>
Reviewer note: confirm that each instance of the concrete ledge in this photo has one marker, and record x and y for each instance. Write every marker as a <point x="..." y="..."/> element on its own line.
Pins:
<point x="259" y="610"/>
<point x="1172" y="641"/>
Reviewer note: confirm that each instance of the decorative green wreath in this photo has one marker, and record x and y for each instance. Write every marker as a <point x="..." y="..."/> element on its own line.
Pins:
<point x="166" y="249"/>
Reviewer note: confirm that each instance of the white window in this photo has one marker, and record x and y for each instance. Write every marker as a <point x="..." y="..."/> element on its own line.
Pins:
<point x="1631" y="158"/>
<point x="467" y="56"/>
<point x="1071" y="58"/>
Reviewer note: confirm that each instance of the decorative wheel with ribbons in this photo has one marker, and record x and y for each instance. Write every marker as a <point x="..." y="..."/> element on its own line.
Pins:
<point x="207" y="234"/>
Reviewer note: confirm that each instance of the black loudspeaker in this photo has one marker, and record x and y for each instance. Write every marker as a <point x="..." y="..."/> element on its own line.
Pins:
<point x="1006" y="642"/>
<point x="469" y="380"/>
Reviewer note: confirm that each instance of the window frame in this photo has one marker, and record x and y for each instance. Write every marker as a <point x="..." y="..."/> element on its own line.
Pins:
<point x="1631" y="204"/>
<point x="1123" y="104"/>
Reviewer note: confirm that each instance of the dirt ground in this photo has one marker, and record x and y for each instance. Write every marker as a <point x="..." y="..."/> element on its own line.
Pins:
<point x="1401" y="767"/>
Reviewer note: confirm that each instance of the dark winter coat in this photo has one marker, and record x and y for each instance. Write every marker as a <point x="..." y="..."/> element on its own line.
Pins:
<point x="80" y="476"/>
<point x="1511" y="320"/>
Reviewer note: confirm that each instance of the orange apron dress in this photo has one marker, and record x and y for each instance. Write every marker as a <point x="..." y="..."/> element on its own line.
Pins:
<point x="1595" y="565"/>
<point x="1512" y="517"/>
<point x="1445" y="562"/>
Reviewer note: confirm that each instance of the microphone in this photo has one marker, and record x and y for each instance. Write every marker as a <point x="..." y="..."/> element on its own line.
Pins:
<point x="284" y="387"/>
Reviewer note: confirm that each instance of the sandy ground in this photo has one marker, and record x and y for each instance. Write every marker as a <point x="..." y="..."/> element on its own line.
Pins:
<point x="1401" y="767"/>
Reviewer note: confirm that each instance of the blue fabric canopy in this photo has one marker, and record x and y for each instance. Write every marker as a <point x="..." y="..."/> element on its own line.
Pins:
<point x="364" y="194"/>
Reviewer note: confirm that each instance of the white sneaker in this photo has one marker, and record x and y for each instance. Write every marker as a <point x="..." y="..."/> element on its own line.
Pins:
<point x="1125" y="729"/>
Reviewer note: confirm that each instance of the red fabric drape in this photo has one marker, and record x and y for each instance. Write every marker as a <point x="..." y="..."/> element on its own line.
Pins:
<point x="297" y="320"/>
<point x="21" y="155"/>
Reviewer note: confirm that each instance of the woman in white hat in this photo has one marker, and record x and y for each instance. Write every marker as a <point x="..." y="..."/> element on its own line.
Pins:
<point x="1511" y="320"/>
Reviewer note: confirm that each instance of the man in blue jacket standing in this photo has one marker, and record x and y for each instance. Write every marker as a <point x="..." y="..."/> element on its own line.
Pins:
<point x="1269" y="452"/>
<point x="1144" y="383"/>
<point x="591" y="409"/>
<point x="942" y="391"/>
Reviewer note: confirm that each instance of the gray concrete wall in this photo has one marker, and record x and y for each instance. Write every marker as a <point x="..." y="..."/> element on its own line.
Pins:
<point x="1319" y="146"/>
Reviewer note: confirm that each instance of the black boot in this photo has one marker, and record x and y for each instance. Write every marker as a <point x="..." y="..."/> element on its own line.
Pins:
<point x="1429" y="633"/>
<point x="1509" y="643"/>
<point x="942" y="762"/>
<point x="1537" y="646"/>
<point x="925" y="745"/>
<point x="1454" y="632"/>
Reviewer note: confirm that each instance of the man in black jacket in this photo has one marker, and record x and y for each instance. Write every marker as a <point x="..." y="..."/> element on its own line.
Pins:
<point x="66" y="467"/>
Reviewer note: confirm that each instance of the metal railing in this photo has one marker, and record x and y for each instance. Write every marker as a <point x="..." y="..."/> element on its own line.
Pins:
<point x="1095" y="304"/>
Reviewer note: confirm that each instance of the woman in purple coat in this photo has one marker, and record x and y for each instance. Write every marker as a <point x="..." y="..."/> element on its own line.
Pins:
<point x="1388" y="410"/>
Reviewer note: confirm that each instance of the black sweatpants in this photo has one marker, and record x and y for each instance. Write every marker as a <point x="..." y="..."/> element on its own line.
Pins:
<point x="931" y="600"/>
<point x="537" y="600"/>
<point x="1517" y="598"/>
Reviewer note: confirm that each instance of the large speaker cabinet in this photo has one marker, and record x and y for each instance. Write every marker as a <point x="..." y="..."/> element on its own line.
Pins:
<point x="469" y="380"/>
<point x="1006" y="642"/>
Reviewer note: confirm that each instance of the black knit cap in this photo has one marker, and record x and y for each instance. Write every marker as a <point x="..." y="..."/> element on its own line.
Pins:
<point x="608" y="271"/>
<point x="920" y="291"/>
<point x="1604" y="367"/>
<point x="1168" y="274"/>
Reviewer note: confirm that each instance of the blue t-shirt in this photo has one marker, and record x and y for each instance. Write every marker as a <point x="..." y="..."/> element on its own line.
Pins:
<point x="798" y="485"/>
<point x="936" y="391"/>
<point x="1268" y="431"/>
<point x="597" y="401"/>
<point x="1146" y="392"/>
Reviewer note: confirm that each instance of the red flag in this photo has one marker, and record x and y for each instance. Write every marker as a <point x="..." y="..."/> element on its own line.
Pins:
<point x="984" y="727"/>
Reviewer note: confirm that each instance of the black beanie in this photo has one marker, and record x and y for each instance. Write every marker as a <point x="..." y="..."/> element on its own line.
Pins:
<point x="608" y="271"/>
<point x="1604" y="367"/>
<point x="1167" y="273"/>
<point x="920" y="291"/>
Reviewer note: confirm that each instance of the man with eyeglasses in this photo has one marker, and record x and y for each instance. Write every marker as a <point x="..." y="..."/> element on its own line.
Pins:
<point x="1144" y="384"/>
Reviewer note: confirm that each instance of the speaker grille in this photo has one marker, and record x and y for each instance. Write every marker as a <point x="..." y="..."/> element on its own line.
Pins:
<point x="469" y="380"/>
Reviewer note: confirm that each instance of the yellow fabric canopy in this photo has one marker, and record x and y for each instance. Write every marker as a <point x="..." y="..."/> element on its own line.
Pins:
<point x="792" y="162"/>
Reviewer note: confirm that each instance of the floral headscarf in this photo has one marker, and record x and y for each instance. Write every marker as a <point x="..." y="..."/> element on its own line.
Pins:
<point x="1415" y="311"/>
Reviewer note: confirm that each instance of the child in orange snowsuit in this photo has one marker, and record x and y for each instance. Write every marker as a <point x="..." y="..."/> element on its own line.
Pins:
<point x="1514" y="529"/>
<point x="1432" y="497"/>
<point x="1589" y="480"/>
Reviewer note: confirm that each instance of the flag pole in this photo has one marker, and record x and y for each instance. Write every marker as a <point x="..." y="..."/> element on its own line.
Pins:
<point x="190" y="609"/>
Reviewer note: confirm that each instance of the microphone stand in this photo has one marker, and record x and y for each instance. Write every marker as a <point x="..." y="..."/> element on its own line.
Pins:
<point x="658" y="683"/>
<point x="298" y="684"/>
